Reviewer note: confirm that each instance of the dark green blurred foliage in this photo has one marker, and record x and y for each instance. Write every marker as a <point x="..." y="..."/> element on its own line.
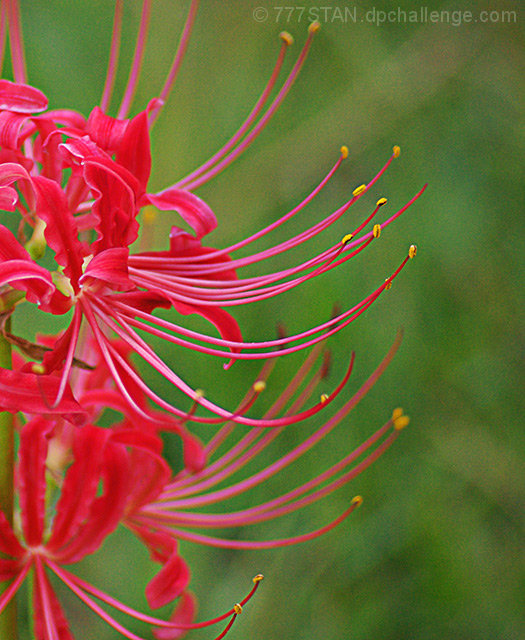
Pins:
<point x="434" y="550"/>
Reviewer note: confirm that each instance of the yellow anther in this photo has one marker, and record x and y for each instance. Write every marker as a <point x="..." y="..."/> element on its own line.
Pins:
<point x="39" y="369"/>
<point x="286" y="38"/>
<point x="344" y="151"/>
<point x="199" y="393"/>
<point x="259" y="386"/>
<point x="149" y="214"/>
<point x="313" y="27"/>
<point x="381" y="202"/>
<point x="237" y="608"/>
<point x="401" y="422"/>
<point x="358" y="190"/>
<point x="376" y="231"/>
<point x="396" y="151"/>
<point x="346" y="239"/>
<point x="357" y="500"/>
<point x="397" y="413"/>
<point x="388" y="284"/>
<point x="257" y="578"/>
<point x="412" y="251"/>
<point x="324" y="398"/>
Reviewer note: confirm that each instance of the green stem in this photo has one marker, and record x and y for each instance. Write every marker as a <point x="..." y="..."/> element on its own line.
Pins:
<point x="8" y="624"/>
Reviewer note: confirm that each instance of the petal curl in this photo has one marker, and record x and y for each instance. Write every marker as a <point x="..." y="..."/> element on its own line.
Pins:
<point x="190" y="207"/>
<point x="21" y="98"/>
<point x="169" y="583"/>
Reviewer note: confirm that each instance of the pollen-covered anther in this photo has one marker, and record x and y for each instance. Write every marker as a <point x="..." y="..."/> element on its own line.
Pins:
<point x="237" y="608"/>
<point x="376" y="231"/>
<point x="412" y="251"/>
<point x="357" y="500"/>
<point x="314" y="27"/>
<point x="396" y="151"/>
<point x="259" y="386"/>
<point x="399" y="419"/>
<point x="287" y="38"/>
<point x="38" y="368"/>
<point x="388" y="284"/>
<point x="381" y="202"/>
<point x="346" y="239"/>
<point x="397" y="413"/>
<point x="199" y="393"/>
<point x="344" y="151"/>
<point x="324" y="398"/>
<point x="257" y="578"/>
<point x="359" y="190"/>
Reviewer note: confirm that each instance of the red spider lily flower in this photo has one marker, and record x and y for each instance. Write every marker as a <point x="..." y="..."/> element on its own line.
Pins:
<point x="91" y="223"/>
<point x="83" y="518"/>
<point x="175" y="510"/>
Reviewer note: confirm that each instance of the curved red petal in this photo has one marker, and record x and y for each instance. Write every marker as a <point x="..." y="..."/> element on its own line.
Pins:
<point x="114" y="207"/>
<point x="8" y="198"/>
<point x="104" y="130"/>
<point x="10" y="127"/>
<point x="110" y="267"/>
<point x="33" y="393"/>
<point x="105" y="511"/>
<point x="80" y="485"/>
<point x="134" y="152"/>
<point x="169" y="583"/>
<point x="29" y="277"/>
<point x="61" y="230"/>
<point x="225" y="323"/>
<point x="32" y="478"/>
<point x="21" y="98"/>
<point x="9" y="544"/>
<point x="191" y="208"/>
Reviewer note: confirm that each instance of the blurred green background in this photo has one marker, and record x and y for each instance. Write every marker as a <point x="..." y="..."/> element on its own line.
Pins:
<point x="435" y="550"/>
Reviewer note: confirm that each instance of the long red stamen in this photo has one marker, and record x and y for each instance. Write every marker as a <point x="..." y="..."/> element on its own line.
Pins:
<point x="3" y="34"/>
<point x="194" y="184"/>
<point x="137" y="60"/>
<point x="113" y="56"/>
<point x="278" y="507"/>
<point x="11" y="591"/>
<point x="233" y="461"/>
<point x="298" y="451"/>
<point x="249" y="544"/>
<point x="157" y="363"/>
<point x="177" y="60"/>
<point x="68" y="363"/>
<point x="286" y="41"/>
<point x="79" y="586"/>
<point x="16" y="41"/>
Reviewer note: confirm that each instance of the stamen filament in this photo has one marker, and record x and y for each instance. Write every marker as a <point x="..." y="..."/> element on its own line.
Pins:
<point x="246" y="124"/>
<point x="113" y="57"/>
<point x="137" y="60"/>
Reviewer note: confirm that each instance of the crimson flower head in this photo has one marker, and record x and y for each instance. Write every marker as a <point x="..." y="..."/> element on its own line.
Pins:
<point x="79" y="185"/>
<point x="78" y="212"/>
<point x="129" y="467"/>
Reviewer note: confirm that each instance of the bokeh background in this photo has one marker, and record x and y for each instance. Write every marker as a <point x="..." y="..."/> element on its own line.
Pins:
<point x="434" y="552"/>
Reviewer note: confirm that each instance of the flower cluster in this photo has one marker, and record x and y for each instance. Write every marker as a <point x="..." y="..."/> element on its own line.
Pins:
<point x="75" y="195"/>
